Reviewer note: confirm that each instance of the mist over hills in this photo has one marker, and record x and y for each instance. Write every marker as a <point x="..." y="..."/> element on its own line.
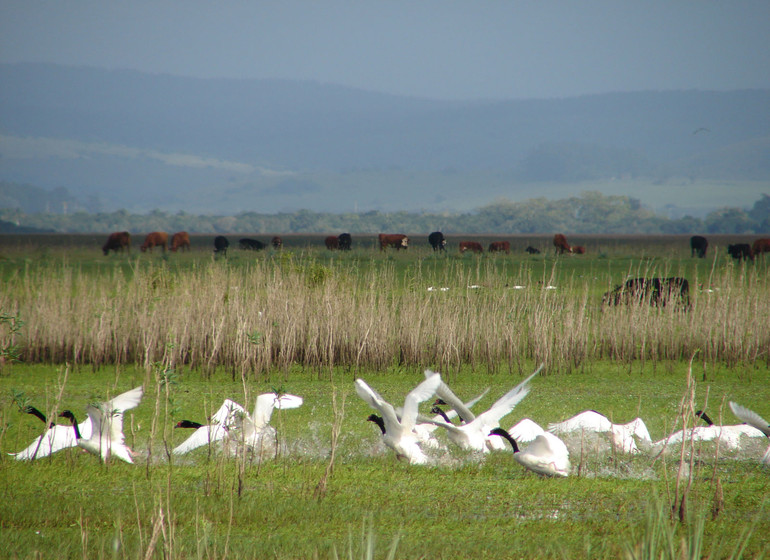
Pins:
<point x="125" y="139"/>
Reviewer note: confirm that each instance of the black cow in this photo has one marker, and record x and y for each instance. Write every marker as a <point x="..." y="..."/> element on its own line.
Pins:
<point x="698" y="246"/>
<point x="248" y="244"/>
<point x="655" y="291"/>
<point x="740" y="251"/>
<point x="437" y="241"/>
<point x="532" y="251"/>
<point x="221" y="244"/>
<point x="344" y="242"/>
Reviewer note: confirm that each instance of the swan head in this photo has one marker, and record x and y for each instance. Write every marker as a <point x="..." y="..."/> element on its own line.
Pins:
<point x="377" y="420"/>
<point x="705" y="417"/>
<point x="68" y="415"/>
<point x="188" y="424"/>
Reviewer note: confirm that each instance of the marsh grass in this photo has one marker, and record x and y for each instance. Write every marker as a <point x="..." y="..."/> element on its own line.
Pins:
<point x="209" y="504"/>
<point x="276" y="312"/>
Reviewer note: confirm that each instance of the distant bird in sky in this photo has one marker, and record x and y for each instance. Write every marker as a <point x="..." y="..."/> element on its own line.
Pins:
<point x="701" y="129"/>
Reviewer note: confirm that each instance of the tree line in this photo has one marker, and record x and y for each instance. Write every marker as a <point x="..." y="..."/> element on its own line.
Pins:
<point x="590" y="213"/>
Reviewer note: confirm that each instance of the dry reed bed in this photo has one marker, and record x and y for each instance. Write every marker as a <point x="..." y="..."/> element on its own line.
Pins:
<point x="274" y="314"/>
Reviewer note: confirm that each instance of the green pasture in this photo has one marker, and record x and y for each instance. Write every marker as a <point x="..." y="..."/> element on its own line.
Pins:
<point x="332" y="489"/>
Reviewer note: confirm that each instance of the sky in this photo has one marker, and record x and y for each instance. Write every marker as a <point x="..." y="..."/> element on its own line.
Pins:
<point x="434" y="49"/>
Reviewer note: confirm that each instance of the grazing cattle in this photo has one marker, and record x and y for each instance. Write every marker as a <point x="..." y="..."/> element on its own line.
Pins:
<point x="698" y="246"/>
<point x="180" y="240"/>
<point x="654" y="291"/>
<point x="221" y="244"/>
<point x="155" y="239"/>
<point x="500" y="247"/>
<point x="117" y="241"/>
<point x="276" y="242"/>
<point x="761" y="246"/>
<point x="344" y="241"/>
<point x="740" y="251"/>
<point x="437" y="241"/>
<point x="560" y="242"/>
<point x="532" y="251"/>
<point x="579" y="250"/>
<point x="248" y="244"/>
<point x="474" y="246"/>
<point x="397" y="240"/>
<point x="332" y="242"/>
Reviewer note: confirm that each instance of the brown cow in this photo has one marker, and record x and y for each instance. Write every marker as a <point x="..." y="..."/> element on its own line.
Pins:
<point x="579" y="250"/>
<point x="560" y="242"/>
<point x="180" y="240"/>
<point x="500" y="247"/>
<point x="155" y="239"/>
<point x="474" y="246"/>
<point x="117" y="241"/>
<point x="760" y="246"/>
<point x="332" y="242"/>
<point x="397" y="240"/>
<point x="276" y="242"/>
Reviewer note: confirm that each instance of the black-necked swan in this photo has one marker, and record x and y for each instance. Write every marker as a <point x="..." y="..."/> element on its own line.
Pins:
<point x="755" y="420"/>
<point x="728" y="435"/>
<point x="474" y="434"/>
<point x="107" y="439"/>
<point x="546" y="455"/>
<point x="592" y="421"/>
<point x="234" y="422"/>
<point x="526" y="430"/>
<point x="56" y="437"/>
<point x="398" y="434"/>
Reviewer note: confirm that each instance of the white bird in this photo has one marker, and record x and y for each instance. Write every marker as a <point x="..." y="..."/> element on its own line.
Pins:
<point x="232" y="421"/>
<point x="426" y="429"/>
<point x="728" y="435"/>
<point x="592" y="421"/>
<point x="398" y="434"/>
<point x="56" y="438"/>
<point x="474" y="434"/>
<point x="526" y="430"/>
<point x="218" y="428"/>
<point x="546" y="455"/>
<point x="755" y="420"/>
<point x="107" y="439"/>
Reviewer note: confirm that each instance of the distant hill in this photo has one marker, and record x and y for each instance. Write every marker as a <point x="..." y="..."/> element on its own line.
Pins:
<point x="128" y="139"/>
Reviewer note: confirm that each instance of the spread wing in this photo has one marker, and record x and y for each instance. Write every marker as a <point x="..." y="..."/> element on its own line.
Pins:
<point x="267" y="402"/>
<point x="452" y="400"/>
<point x="54" y="439"/>
<point x="421" y="393"/>
<point x="221" y="422"/>
<point x="751" y="418"/>
<point x="589" y="421"/>
<point x="392" y="426"/>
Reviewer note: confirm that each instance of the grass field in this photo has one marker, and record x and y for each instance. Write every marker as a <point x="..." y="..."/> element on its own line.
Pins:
<point x="194" y="330"/>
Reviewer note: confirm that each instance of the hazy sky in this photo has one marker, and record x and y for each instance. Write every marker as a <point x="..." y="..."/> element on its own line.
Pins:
<point x="438" y="49"/>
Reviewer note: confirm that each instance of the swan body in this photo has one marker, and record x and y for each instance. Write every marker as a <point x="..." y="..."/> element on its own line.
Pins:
<point x="546" y="455"/>
<point x="591" y="421"/>
<point x="56" y="438"/>
<point x="474" y="433"/>
<point x="754" y="420"/>
<point x="727" y="435"/>
<point x="106" y="439"/>
<point x="255" y="427"/>
<point x="399" y="434"/>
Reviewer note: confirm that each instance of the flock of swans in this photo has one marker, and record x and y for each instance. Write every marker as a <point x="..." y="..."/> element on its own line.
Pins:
<point x="408" y="433"/>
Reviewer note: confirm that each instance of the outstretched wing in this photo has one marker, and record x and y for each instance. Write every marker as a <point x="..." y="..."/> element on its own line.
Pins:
<point x="392" y="426"/>
<point x="750" y="417"/>
<point x="421" y="393"/>
<point x="54" y="439"/>
<point x="443" y="391"/>
<point x="267" y="402"/>
<point x="588" y="421"/>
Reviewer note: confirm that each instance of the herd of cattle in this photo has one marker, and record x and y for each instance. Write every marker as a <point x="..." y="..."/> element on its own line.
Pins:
<point x="120" y="240"/>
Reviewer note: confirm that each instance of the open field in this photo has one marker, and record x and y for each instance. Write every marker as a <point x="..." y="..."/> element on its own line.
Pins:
<point x="194" y="330"/>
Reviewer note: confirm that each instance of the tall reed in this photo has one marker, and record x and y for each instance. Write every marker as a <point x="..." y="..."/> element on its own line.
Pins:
<point x="274" y="313"/>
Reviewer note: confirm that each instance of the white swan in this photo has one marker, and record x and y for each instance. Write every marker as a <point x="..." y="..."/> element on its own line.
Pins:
<point x="546" y="455"/>
<point x="233" y="422"/>
<point x="728" y="435"/>
<point x="107" y="439"/>
<point x="755" y="420"/>
<point x="398" y="434"/>
<point x="216" y="430"/>
<point x="56" y="438"/>
<point x="474" y="434"/>
<point x="592" y="421"/>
